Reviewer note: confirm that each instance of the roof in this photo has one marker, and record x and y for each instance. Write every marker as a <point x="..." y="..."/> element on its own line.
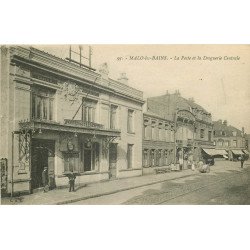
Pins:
<point x="166" y="105"/>
<point x="152" y="114"/>
<point x="57" y="64"/>
<point x="228" y="130"/>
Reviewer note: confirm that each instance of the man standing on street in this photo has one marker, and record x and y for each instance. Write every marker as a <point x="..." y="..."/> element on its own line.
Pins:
<point x="242" y="159"/>
<point x="45" y="179"/>
<point x="72" y="178"/>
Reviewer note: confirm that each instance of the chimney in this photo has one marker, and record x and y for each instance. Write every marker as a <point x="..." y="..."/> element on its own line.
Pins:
<point x="177" y="92"/>
<point x="225" y="122"/>
<point x="104" y="71"/>
<point x="123" y="78"/>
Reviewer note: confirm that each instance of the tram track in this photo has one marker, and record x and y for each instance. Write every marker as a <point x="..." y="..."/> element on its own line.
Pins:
<point x="158" y="198"/>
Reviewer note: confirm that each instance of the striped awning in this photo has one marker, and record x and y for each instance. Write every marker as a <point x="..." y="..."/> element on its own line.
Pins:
<point x="209" y="151"/>
<point x="245" y="151"/>
<point x="220" y="152"/>
<point x="237" y="152"/>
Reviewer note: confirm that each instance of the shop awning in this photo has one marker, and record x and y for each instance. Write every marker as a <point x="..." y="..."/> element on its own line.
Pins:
<point x="220" y="152"/>
<point x="237" y="152"/>
<point x="209" y="151"/>
<point x="245" y="151"/>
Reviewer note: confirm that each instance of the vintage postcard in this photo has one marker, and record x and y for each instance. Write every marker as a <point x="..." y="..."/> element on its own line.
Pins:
<point x="125" y="124"/>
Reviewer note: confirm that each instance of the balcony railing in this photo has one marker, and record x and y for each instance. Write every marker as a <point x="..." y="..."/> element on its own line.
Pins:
<point x="80" y="123"/>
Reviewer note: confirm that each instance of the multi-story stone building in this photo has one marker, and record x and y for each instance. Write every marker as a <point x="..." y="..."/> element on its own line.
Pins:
<point x="193" y="127"/>
<point x="66" y="117"/>
<point x="158" y="142"/>
<point x="229" y="139"/>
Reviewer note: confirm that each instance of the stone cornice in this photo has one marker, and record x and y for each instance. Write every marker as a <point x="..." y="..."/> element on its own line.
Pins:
<point x="42" y="60"/>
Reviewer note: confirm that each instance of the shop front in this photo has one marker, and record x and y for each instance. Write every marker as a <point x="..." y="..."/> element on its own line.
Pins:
<point x="89" y="151"/>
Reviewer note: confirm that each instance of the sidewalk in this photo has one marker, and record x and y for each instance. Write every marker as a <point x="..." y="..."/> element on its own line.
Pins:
<point x="62" y="196"/>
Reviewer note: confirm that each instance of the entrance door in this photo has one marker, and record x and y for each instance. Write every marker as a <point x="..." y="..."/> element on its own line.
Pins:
<point x="4" y="176"/>
<point x="87" y="159"/>
<point x="42" y="155"/>
<point x="112" y="160"/>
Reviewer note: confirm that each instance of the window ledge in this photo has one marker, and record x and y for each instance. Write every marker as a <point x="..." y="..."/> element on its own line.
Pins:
<point x="22" y="171"/>
<point x="131" y="133"/>
<point x="129" y="169"/>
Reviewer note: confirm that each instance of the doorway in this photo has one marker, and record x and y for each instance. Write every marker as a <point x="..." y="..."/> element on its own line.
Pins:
<point x="112" y="160"/>
<point x="87" y="159"/>
<point x="42" y="155"/>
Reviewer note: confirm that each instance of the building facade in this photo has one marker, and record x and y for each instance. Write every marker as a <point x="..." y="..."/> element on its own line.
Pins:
<point x="158" y="142"/>
<point x="230" y="139"/>
<point x="59" y="115"/>
<point x="193" y="127"/>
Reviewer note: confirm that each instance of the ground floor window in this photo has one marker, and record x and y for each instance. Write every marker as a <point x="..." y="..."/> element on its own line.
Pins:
<point x="89" y="156"/>
<point x="152" y="158"/>
<point x="145" y="158"/>
<point x="130" y="155"/>
<point x="71" y="162"/>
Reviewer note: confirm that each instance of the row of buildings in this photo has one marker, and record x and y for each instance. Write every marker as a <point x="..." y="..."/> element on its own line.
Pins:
<point x="66" y="117"/>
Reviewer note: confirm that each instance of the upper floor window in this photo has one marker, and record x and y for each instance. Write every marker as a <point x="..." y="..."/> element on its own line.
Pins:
<point x="202" y="133"/>
<point x="223" y="133"/>
<point x="42" y="105"/>
<point x="130" y="121"/>
<point x="234" y="144"/>
<point x="154" y="130"/>
<point x="113" y="117"/>
<point x="209" y="135"/>
<point x="88" y="111"/>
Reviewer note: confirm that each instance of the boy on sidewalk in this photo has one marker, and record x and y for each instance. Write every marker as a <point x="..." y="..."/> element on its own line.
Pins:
<point x="72" y="178"/>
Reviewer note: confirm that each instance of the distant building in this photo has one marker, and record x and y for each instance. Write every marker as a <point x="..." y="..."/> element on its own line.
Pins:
<point x="59" y="115"/>
<point x="229" y="139"/>
<point x="247" y="141"/>
<point x="158" y="142"/>
<point x="192" y="125"/>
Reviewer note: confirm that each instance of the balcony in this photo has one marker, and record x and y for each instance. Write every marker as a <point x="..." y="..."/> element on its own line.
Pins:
<point x="71" y="126"/>
<point x="80" y="123"/>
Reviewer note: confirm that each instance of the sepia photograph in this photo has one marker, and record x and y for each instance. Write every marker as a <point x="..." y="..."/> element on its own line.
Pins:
<point x="116" y="124"/>
<point x="124" y="124"/>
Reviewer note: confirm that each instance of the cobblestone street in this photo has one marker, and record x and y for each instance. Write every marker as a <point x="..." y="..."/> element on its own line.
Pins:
<point x="225" y="184"/>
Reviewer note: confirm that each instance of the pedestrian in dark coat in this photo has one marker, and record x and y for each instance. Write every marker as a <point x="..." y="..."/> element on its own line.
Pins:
<point x="242" y="159"/>
<point x="72" y="178"/>
<point x="45" y="179"/>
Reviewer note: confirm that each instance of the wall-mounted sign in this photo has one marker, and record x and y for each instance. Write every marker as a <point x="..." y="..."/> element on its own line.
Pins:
<point x="70" y="146"/>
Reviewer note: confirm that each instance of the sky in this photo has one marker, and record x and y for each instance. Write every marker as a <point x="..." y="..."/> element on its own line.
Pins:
<point x="222" y="87"/>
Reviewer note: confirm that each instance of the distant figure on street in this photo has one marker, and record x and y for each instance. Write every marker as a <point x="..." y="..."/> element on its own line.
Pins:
<point x="204" y="168"/>
<point x="45" y="179"/>
<point x="181" y="163"/>
<point x="72" y="178"/>
<point x="192" y="166"/>
<point x="242" y="159"/>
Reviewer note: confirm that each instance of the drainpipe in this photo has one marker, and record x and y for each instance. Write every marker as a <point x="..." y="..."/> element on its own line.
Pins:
<point x="12" y="165"/>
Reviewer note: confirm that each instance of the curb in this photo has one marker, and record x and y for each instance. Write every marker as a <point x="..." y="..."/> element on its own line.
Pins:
<point x="117" y="191"/>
